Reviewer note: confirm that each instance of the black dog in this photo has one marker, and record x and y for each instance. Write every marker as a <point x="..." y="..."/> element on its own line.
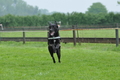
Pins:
<point x="54" y="41"/>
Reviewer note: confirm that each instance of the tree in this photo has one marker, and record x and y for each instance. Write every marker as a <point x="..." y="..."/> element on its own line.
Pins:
<point x="97" y="8"/>
<point x="19" y="7"/>
<point x="118" y="2"/>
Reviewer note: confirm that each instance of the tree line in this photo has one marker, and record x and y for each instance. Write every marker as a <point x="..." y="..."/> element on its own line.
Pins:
<point x="20" y="7"/>
<point x="66" y="19"/>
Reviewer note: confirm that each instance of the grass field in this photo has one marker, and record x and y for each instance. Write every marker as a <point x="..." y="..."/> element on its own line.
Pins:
<point x="32" y="61"/>
<point x="101" y="33"/>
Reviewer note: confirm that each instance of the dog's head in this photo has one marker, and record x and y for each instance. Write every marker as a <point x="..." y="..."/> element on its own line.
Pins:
<point x="53" y="30"/>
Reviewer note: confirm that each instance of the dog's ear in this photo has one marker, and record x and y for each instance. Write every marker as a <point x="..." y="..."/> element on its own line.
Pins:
<point x="56" y="23"/>
<point x="49" y="23"/>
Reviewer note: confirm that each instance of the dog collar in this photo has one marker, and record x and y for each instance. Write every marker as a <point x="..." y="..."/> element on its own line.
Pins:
<point x="54" y="37"/>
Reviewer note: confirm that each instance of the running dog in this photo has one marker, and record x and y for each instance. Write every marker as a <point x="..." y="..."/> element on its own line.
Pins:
<point x="54" y="41"/>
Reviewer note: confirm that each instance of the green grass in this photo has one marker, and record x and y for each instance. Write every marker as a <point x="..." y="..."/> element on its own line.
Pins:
<point x="32" y="61"/>
<point x="103" y="33"/>
<point x="27" y="34"/>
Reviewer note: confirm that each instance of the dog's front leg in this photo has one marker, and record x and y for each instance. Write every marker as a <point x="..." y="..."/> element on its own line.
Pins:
<point x="50" y="48"/>
<point x="53" y="58"/>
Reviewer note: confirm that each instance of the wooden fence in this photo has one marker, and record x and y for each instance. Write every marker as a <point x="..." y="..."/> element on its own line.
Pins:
<point x="75" y="39"/>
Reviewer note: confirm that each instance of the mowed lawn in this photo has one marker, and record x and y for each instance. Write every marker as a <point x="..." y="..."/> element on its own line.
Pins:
<point x="31" y="61"/>
<point x="97" y="33"/>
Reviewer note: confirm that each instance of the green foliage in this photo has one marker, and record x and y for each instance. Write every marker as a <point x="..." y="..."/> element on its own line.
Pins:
<point x="97" y="8"/>
<point x="118" y="2"/>
<point x="17" y="13"/>
<point x="66" y="19"/>
<point x="58" y="17"/>
<point x="32" y="61"/>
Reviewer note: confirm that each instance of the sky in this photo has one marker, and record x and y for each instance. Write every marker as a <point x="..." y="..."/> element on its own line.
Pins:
<point x="73" y="5"/>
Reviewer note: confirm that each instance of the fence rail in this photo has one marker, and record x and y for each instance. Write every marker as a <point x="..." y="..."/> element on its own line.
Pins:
<point x="64" y="39"/>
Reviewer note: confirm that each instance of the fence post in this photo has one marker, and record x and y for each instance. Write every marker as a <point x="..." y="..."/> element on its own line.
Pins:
<point x="78" y="38"/>
<point x="74" y="35"/>
<point x="117" y="35"/>
<point x="23" y="36"/>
